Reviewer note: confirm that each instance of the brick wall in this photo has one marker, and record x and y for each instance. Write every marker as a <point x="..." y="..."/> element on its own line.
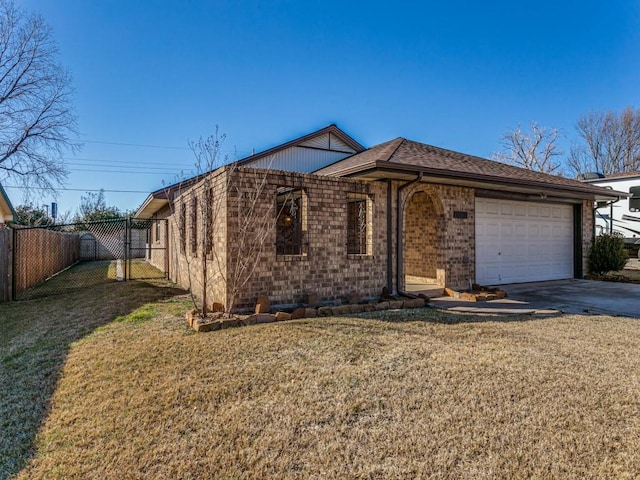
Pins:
<point x="325" y="267"/>
<point x="449" y="242"/>
<point x="587" y="233"/>
<point x="199" y="269"/>
<point x="460" y="241"/>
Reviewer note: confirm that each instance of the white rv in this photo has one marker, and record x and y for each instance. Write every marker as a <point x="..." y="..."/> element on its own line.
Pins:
<point x="622" y="216"/>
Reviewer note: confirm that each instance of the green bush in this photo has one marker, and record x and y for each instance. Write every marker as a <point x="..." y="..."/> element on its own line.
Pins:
<point x="607" y="254"/>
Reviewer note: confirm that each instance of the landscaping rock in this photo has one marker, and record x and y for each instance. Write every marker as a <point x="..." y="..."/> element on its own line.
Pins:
<point x="230" y="322"/>
<point x="217" y="307"/>
<point x="206" y="326"/>
<point x="250" y="320"/>
<point x="263" y="304"/>
<point x="451" y="293"/>
<point x="265" y="318"/>
<point x="282" y="316"/>
<point x="480" y="294"/>
<point x="188" y="316"/>
<point x="369" y="307"/>
<point x="356" y="308"/>
<point x="395" y="304"/>
<point x="310" y="313"/>
<point x="325" y="311"/>
<point x="414" y="303"/>
<point x="298" y="313"/>
<point x="382" y="306"/>
<point x="312" y="300"/>
<point x="354" y="298"/>
<point x="342" y="310"/>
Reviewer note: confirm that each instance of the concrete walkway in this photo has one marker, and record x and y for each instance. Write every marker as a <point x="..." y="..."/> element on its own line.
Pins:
<point x="569" y="296"/>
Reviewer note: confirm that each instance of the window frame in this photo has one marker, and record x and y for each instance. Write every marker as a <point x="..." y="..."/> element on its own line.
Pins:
<point x="359" y="230"/>
<point x="182" y="228"/>
<point x="634" y="199"/>
<point x="291" y="222"/>
<point x="193" y="239"/>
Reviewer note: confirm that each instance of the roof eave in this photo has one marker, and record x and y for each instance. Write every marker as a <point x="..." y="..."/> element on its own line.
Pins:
<point x="590" y="192"/>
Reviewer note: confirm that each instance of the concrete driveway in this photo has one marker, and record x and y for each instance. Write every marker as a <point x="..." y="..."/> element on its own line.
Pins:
<point x="570" y="296"/>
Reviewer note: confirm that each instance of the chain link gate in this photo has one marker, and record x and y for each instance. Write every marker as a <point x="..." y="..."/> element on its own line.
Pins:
<point x="61" y="258"/>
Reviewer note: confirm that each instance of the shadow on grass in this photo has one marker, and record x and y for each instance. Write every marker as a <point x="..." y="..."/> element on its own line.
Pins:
<point x="436" y="315"/>
<point x="35" y="338"/>
<point x="86" y="274"/>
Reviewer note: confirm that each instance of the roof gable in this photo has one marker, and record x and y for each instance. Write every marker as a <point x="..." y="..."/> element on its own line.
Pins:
<point x="302" y="154"/>
<point x="329" y="138"/>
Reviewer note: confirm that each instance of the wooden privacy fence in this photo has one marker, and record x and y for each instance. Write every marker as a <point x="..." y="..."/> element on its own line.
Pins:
<point x="41" y="253"/>
<point x="5" y="264"/>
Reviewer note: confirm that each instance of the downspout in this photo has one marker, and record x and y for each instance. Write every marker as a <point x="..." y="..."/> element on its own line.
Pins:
<point x="399" y="234"/>
<point x="389" y="237"/>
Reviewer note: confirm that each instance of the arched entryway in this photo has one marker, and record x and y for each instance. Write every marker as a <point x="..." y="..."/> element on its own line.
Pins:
<point x="423" y="236"/>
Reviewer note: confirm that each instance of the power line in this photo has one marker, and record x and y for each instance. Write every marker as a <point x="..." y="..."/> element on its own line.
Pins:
<point x="77" y="189"/>
<point x="120" y="171"/>
<point x="98" y="165"/>
<point x="136" y="145"/>
<point x="138" y="162"/>
<point x="142" y="145"/>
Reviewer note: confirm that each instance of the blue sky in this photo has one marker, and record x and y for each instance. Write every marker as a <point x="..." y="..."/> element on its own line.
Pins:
<point x="454" y="74"/>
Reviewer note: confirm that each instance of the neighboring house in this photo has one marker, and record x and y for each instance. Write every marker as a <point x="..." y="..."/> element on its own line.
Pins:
<point x="621" y="215"/>
<point x="401" y="215"/>
<point x="7" y="213"/>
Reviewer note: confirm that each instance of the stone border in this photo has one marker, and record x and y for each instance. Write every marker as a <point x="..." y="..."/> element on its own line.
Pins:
<point x="483" y="294"/>
<point x="217" y="322"/>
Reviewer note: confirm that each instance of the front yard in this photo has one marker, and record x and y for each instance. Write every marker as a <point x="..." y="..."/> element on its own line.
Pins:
<point x="395" y="395"/>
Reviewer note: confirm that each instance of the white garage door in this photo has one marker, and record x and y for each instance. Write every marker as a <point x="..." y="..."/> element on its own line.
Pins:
<point x="522" y="241"/>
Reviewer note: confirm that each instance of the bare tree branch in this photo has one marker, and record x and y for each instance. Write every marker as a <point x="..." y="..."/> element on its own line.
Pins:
<point x="37" y="121"/>
<point x="535" y="150"/>
<point x="228" y="200"/>
<point x="610" y="143"/>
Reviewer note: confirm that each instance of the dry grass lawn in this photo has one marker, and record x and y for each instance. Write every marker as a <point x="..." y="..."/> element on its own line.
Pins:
<point x="419" y="394"/>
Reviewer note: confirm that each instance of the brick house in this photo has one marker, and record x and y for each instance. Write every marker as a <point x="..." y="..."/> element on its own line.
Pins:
<point x="334" y="218"/>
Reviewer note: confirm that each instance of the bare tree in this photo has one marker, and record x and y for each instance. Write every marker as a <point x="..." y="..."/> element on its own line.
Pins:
<point x="37" y="122"/>
<point x="535" y="150"/>
<point x="219" y="200"/>
<point x="610" y="143"/>
<point x="208" y="155"/>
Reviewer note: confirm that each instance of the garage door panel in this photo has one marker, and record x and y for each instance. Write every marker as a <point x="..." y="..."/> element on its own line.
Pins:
<point x="523" y="241"/>
<point x="521" y="231"/>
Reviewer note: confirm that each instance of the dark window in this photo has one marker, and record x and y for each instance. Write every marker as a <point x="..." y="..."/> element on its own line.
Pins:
<point x="182" y="227"/>
<point x="291" y="217"/>
<point x="194" y="226"/>
<point x="634" y="201"/>
<point x="208" y="216"/>
<point x="358" y="224"/>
